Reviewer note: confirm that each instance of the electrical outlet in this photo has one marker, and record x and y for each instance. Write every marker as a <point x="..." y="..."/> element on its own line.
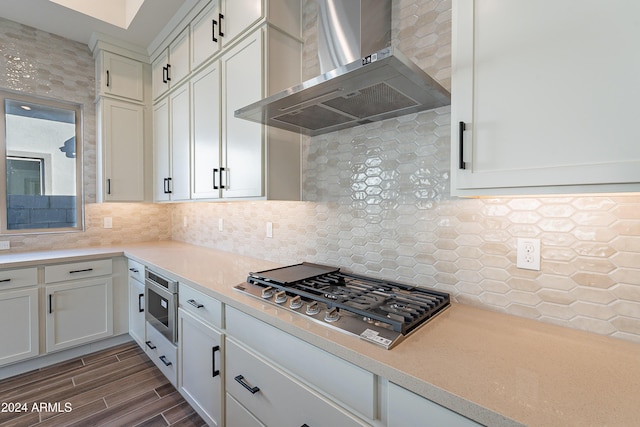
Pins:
<point x="5" y="244"/>
<point x="528" y="254"/>
<point x="108" y="222"/>
<point x="269" y="230"/>
<point x="220" y="224"/>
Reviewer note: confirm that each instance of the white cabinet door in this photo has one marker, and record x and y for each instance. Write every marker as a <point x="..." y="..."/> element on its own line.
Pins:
<point x="238" y="16"/>
<point x="18" y="325"/>
<point x="180" y="135"/>
<point x="242" y="140"/>
<point x="78" y="312"/>
<point x="205" y="40"/>
<point x="171" y="146"/>
<point x="205" y="132"/>
<point x="547" y="99"/>
<point x="160" y="75"/>
<point x="122" y="148"/>
<point x="136" y="311"/>
<point x="407" y="409"/>
<point x="179" y="63"/>
<point x="161" y="156"/>
<point x="171" y="66"/>
<point x="121" y="76"/>
<point x="200" y="366"/>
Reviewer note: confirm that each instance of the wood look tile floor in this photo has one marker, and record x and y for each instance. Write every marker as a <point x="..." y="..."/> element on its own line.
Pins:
<point x="116" y="387"/>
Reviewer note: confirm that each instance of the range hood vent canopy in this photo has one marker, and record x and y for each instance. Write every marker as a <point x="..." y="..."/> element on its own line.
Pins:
<point x="363" y="78"/>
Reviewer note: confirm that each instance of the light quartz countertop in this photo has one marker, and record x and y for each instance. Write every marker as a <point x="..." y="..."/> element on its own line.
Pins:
<point x="496" y="369"/>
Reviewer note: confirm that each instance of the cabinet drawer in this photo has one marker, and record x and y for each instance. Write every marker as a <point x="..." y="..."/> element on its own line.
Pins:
<point x="237" y="415"/>
<point x="407" y="409"/>
<point x="18" y="278"/>
<point x="77" y="270"/>
<point x="200" y="305"/>
<point x="303" y="359"/>
<point x="136" y="270"/>
<point x="163" y="353"/>
<point x="275" y="398"/>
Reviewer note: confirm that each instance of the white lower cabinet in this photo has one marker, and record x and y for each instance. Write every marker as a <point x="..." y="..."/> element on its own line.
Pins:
<point x="78" y="312"/>
<point x="136" y="302"/>
<point x="163" y="353"/>
<point x="303" y="359"/>
<point x="407" y="409"/>
<point x="238" y="415"/>
<point x="200" y="367"/>
<point x="18" y="324"/>
<point x="275" y="398"/>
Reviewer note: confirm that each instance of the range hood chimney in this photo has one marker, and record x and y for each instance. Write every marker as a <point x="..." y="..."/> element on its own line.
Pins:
<point x="364" y="79"/>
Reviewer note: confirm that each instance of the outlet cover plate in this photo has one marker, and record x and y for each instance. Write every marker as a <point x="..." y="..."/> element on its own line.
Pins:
<point x="528" y="254"/>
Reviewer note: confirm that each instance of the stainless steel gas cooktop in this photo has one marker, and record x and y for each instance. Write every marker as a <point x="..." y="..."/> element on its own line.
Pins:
<point x="378" y="311"/>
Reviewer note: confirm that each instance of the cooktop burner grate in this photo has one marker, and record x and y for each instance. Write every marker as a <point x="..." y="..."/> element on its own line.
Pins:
<point x="385" y="304"/>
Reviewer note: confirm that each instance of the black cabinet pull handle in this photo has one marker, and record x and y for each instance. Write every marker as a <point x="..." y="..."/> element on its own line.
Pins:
<point x="168" y="72"/>
<point x="50" y="303"/>
<point x="221" y="17"/>
<point x="81" y="271"/>
<point x="215" y="372"/>
<point x="140" y="304"/>
<point x="5" y="280"/>
<point x="167" y="186"/>
<point x="108" y="185"/>
<point x="164" y="360"/>
<point x="222" y="186"/>
<point x="108" y="78"/>
<point x="213" y="30"/>
<point x="253" y="390"/>
<point x="150" y="345"/>
<point x="215" y="172"/>
<point x="195" y="303"/>
<point x="462" y="128"/>
<point x="134" y="270"/>
<point x="165" y="74"/>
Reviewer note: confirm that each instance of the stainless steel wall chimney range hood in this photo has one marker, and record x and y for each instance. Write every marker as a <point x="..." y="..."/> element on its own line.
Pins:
<point x="363" y="78"/>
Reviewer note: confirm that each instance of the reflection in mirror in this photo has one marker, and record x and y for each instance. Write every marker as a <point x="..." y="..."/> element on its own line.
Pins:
<point x="42" y="175"/>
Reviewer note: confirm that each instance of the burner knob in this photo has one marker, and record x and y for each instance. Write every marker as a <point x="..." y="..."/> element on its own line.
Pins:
<point x="281" y="297"/>
<point x="312" y="308"/>
<point x="267" y="292"/>
<point x="296" y="302"/>
<point x="331" y="315"/>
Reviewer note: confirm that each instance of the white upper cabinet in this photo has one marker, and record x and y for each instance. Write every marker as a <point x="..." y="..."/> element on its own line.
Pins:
<point x="546" y="96"/>
<point x="205" y="38"/>
<point x="235" y="57"/>
<point x="238" y="16"/>
<point x="221" y="23"/>
<point x="205" y="126"/>
<point x="242" y="140"/>
<point x="171" y="147"/>
<point x="121" y="151"/>
<point x="171" y="66"/>
<point x="120" y="76"/>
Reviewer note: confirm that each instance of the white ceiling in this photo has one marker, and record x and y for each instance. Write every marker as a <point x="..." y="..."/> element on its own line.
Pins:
<point x="54" y="18"/>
